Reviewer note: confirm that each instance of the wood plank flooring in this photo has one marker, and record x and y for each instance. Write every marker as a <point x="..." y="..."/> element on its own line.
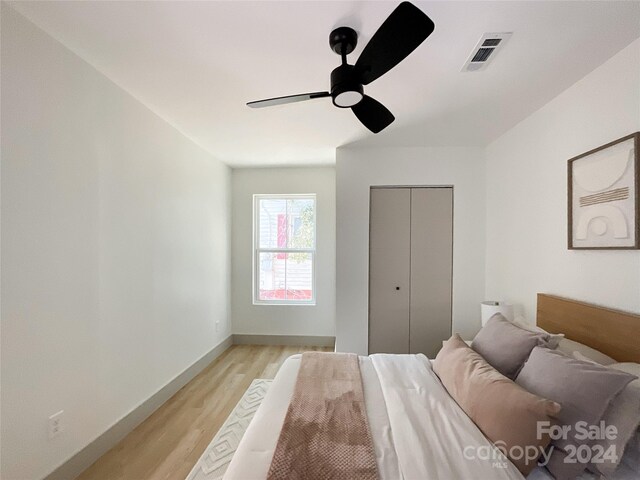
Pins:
<point x="168" y="443"/>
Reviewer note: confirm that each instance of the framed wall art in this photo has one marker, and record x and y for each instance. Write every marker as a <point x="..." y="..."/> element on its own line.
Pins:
<point x="604" y="205"/>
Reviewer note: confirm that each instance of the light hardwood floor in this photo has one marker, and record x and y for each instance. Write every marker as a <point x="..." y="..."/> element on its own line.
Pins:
<point x="168" y="443"/>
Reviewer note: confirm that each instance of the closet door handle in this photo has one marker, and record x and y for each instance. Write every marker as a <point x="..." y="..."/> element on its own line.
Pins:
<point x="397" y="288"/>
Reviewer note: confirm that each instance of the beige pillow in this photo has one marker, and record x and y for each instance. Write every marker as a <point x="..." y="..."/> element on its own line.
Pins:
<point x="505" y="412"/>
<point x="570" y="347"/>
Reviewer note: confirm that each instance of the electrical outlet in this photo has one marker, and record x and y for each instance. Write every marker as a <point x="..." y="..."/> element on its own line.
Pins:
<point x="217" y="325"/>
<point x="55" y="424"/>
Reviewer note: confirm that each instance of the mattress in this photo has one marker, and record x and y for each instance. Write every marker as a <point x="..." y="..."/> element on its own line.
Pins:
<point x="418" y="430"/>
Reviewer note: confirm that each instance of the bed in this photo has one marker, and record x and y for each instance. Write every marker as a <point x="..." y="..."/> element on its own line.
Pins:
<point x="418" y="431"/>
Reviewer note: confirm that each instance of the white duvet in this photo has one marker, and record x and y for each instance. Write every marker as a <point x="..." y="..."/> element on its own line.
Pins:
<point x="419" y="432"/>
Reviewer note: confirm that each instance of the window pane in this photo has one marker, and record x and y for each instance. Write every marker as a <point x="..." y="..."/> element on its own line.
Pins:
<point x="285" y="276"/>
<point x="272" y="222"/>
<point x="299" y="276"/>
<point x="301" y="222"/>
<point x="272" y="276"/>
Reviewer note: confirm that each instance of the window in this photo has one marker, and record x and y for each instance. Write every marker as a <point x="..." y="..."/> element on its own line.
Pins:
<point x="284" y="249"/>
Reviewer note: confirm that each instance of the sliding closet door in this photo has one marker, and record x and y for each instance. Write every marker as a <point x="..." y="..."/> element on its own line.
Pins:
<point x="389" y="247"/>
<point x="431" y="269"/>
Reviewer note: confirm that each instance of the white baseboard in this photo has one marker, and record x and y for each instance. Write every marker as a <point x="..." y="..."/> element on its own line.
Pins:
<point x="305" y="340"/>
<point x="83" y="459"/>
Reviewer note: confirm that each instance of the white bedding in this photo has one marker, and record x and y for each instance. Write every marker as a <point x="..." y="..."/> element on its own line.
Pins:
<point x="418" y="430"/>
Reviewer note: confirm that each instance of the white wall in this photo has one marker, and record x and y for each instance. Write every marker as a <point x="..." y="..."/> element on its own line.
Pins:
<point x="360" y="168"/>
<point x="318" y="320"/>
<point x="527" y="194"/>
<point x="115" y="241"/>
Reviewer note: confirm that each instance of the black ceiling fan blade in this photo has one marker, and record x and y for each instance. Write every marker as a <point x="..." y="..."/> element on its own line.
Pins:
<point x="400" y="34"/>
<point x="373" y="114"/>
<point x="269" y="102"/>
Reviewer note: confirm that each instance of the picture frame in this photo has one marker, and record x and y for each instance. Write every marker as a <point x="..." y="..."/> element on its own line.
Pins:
<point x="603" y="197"/>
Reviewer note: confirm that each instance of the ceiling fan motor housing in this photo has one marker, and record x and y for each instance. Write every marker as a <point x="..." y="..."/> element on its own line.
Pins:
<point x="346" y="91"/>
<point x="343" y="40"/>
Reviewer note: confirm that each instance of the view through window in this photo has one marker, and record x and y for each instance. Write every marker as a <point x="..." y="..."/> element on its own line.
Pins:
<point x="285" y="249"/>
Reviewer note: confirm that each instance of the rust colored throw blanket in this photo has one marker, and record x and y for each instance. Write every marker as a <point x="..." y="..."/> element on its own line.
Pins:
<point x="326" y="433"/>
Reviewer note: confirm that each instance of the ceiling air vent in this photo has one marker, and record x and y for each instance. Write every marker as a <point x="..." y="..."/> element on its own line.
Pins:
<point x="485" y="50"/>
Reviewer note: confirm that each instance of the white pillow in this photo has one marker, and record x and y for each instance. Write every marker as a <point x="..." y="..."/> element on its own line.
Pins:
<point x="571" y="348"/>
<point x="554" y="338"/>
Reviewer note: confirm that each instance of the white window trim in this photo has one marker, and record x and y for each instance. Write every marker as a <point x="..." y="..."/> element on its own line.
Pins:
<point x="257" y="250"/>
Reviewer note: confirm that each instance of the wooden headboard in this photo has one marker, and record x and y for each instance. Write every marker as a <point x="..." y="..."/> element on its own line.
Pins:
<point x="612" y="332"/>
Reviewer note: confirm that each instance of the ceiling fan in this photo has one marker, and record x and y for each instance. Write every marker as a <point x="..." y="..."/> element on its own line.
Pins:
<point x="400" y="34"/>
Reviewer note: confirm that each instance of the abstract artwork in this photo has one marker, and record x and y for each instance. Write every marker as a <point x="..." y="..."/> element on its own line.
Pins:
<point x="604" y="205"/>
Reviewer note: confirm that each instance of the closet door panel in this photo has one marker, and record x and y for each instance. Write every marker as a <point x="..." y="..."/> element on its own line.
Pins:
<point x="389" y="248"/>
<point x="431" y="269"/>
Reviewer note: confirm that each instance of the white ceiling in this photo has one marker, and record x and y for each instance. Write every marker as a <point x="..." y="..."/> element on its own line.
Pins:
<point x="196" y="64"/>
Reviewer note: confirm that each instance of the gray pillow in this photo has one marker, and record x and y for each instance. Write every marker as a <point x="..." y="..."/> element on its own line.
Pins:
<point x="505" y="346"/>
<point x="584" y="390"/>
<point x="554" y="338"/>
<point x="624" y="414"/>
<point x="631" y="457"/>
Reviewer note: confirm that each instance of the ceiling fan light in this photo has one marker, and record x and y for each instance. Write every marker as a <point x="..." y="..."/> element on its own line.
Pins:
<point x="348" y="98"/>
<point x="346" y="91"/>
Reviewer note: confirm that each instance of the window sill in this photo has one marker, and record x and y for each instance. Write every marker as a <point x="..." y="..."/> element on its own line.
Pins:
<point x="284" y="304"/>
